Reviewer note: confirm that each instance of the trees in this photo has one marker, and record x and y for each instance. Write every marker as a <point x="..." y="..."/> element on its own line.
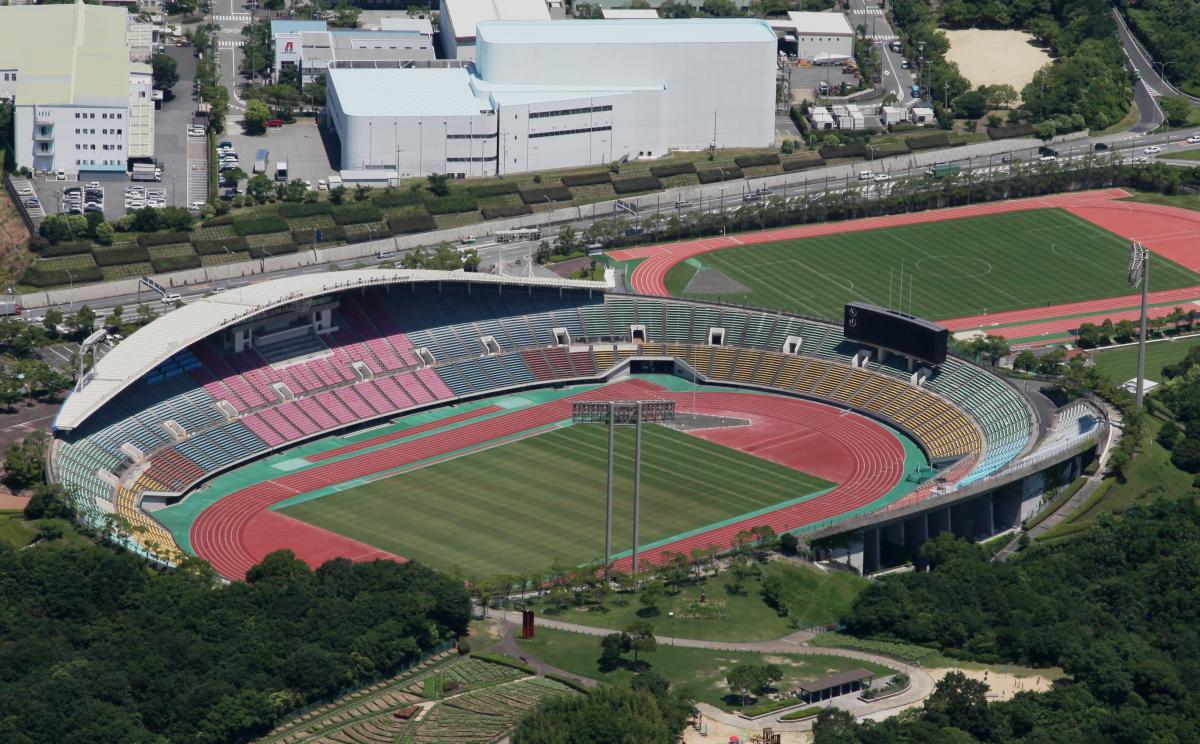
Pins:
<point x="105" y="233"/>
<point x="641" y="638"/>
<point x="610" y="714"/>
<point x="439" y="184"/>
<point x="745" y="679"/>
<point x="163" y="70"/>
<point x="295" y="190"/>
<point x="24" y="463"/>
<point x="49" y="501"/>
<point x="256" y="116"/>
<point x="259" y="188"/>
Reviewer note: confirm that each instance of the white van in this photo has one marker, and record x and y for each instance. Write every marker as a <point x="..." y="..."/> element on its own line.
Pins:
<point x="170" y="299"/>
<point x="865" y="175"/>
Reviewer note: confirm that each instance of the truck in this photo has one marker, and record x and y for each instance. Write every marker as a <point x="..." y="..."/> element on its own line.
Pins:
<point x="942" y="170"/>
<point x="260" y="161"/>
<point x="146" y="172"/>
<point x="281" y="171"/>
<point x="9" y="308"/>
<point x="895" y="46"/>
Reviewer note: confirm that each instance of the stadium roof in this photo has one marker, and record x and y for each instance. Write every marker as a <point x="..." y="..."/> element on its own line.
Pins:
<point x="66" y="54"/>
<point x="465" y="15"/>
<point x="629" y="31"/>
<point x="153" y="344"/>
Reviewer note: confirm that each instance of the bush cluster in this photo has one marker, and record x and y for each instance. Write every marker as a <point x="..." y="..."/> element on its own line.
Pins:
<point x="260" y="225"/>
<point x="666" y="170"/>
<point x="122" y="254"/>
<point x="587" y="179"/>
<point x="636" y="183"/>
<point x="411" y="223"/>
<point x="539" y="195"/>
<point x="506" y="210"/>
<point x="355" y="214"/>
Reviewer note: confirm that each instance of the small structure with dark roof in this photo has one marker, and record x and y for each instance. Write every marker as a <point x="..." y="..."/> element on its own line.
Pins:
<point x="834" y="685"/>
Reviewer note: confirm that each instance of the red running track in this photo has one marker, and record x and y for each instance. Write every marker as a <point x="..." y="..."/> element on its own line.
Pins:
<point x="650" y="276"/>
<point x="1059" y="328"/>
<point x="1171" y="232"/>
<point x="233" y="534"/>
<point x="1095" y="307"/>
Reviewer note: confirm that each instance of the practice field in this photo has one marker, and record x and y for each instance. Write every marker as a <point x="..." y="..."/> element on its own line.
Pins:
<point x="515" y="508"/>
<point x="958" y="267"/>
<point x="1120" y="364"/>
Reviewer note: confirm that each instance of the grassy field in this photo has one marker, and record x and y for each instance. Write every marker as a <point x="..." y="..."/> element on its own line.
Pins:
<point x="958" y="267"/>
<point x="1185" y="155"/>
<point x="1183" y="201"/>
<point x="1120" y="364"/>
<point x="700" y="672"/>
<point x="812" y="596"/>
<point x="516" y="508"/>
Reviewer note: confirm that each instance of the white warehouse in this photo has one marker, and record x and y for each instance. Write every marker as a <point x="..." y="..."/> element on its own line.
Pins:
<point x="545" y="95"/>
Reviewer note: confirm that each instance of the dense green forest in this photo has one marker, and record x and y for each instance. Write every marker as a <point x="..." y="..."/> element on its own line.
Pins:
<point x="1116" y="607"/>
<point x="96" y="648"/>
<point x="1169" y="29"/>
<point x="1087" y="85"/>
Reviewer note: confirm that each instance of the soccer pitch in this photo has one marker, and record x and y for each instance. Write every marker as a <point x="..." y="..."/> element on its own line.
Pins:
<point x="958" y="267"/>
<point x="516" y="508"/>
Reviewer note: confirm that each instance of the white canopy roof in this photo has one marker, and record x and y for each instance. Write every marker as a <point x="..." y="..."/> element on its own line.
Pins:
<point x="159" y="340"/>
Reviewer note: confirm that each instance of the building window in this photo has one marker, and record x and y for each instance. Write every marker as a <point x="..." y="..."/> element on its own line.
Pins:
<point x="568" y="112"/>
<point x="570" y="131"/>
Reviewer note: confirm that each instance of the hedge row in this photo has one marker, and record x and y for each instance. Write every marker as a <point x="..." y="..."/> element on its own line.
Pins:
<point x="637" y="183"/>
<point x="259" y="225"/>
<point x="291" y="211"/>
<point x="273" y="250"/>
<point x="175" y="263"/>
<point x="411" y="223"/>
<point x="459" y="201"/>
<point x="115" y="256"/>
<point x="540" y="195"/>
<point x="150" y="239"/>
<point x="928" y="141"/>
<point x="353" y="214"/>
<point x="666" y="170"/>
<point x="217" y="247"/>
<point x="398" y="199"/>
<point x="36" y="276"/>
<point x="713" y="175"/>
<point x="502" y="188"/>
<point x="755" y="160"/>
<point x="505" y="661"/>
<point x="506" y="210"/>
<point x="848" y="150"/>
<point x="888" y="149"/>
<point x="795" y="165"/>
<point x="67" y="249"/>
<point x="305" y="237"/>
<point x="587" y="179"/>
<point x="1011" y="131"/>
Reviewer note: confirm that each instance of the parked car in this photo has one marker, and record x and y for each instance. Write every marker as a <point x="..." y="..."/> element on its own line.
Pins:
<point x="322" y="184"/>
<point x="61" y="175"/>
<point x="274" y="122"/>
<point x="880" y="178"/>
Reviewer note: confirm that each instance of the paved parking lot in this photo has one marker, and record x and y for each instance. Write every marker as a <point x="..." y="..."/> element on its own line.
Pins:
<point x="806" y="79"/>
<point x="300" y="144"/>
<point x="171" y="145"/>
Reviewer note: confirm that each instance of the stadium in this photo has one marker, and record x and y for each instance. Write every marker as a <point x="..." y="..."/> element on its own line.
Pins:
<point x="427" y="415"/>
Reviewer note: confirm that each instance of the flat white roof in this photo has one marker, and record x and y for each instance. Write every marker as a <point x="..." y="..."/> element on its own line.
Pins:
<point x="169" y="334"/>
<point x="465" y="15"/>
<point x="417" y="25"/>
<point x="619" y="13"/>
<point x="406" y="92"/>
<point x="629" y="31"/>
<point x="809" y="22"/>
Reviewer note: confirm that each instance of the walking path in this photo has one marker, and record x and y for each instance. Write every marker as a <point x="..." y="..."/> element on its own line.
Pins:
<point x="921" y="683"/>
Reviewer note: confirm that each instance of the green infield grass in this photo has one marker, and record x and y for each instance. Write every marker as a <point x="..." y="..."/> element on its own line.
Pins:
<point x="954" y="268"/>
<point x="518" y="507"/>
<point x="1120" y="364"/>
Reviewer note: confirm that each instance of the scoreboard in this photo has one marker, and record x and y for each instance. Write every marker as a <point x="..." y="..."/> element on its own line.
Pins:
<point x="894" y="331"/>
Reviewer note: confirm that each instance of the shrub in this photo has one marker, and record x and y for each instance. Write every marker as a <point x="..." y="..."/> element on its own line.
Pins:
<point x="928" y="141"/>
<point x="795" y="165"/>
<point x="637" y="183"/>
<point x="553" y="193"/>
<point x="217" y="247"/>
<point x="888" y="150"/>
<point x="67" y="249"/>
<point x="305" y="237"/>
<point x="459" y="201"/>
<point x="507" y="210"/>
<point x="123" y="254"/>
<point x="356" y="214"/>
<point x="273" y="250"/>
<point x="848" y="150"/>
<point x="666" y="170"/>
<point x="411" y="223"/>
<point x="291" y="210"/>
<point x="464" y="646"/>
<point x="175" y="263"/>
<point x="259" y="225"/>
<point x="714" y="175"/>
<point x="1011" y="131"/>
<point x="755" y="160"/>
<point x="36" y="276"/>
<point x="225" y="219"/>
<point x="587" y="179"/>
<point x="501" y="188"/>
<point x="163" y="238"/>
<point x="390" y="199"/>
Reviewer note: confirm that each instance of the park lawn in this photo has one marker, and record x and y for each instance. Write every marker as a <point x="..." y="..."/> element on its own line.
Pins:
<point x="14" y="531"/>
<point x="1120" y="364"/>
<point x="957" y="267"/>
<point x="519" y="507"/>
<point x="814" y="598"/>
<point x="699" y="672"/>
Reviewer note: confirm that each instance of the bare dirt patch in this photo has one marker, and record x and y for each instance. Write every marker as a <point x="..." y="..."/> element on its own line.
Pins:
<point x="995" y="57"/>
<point x="1001" y="685"/>
<point x="15" y="256"/>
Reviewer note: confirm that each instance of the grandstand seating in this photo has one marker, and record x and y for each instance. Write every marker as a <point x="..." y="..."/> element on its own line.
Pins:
<point x="313" y="384"/>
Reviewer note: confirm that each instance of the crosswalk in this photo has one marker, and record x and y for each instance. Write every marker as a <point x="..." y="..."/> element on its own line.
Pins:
<point x="867" y="11"/>
<point x="230" y="43"/>
<point x="882" y="37"/>
<point x="236" y="18"/>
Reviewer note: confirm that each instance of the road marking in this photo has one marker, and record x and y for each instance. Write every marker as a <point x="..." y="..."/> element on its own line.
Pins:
<point x="26" y="424"/>
<point x="238" y="17"/>
<point x="230" y="43"/>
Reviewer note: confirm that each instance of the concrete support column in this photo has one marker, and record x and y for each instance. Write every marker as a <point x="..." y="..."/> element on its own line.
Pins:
<point x="982" y="517"/>
<point x="916" y="532"/>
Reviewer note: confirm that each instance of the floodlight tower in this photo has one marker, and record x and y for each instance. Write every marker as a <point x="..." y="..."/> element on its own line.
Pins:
<point x="616" y="413"/>
<point x="1139" y="274"/>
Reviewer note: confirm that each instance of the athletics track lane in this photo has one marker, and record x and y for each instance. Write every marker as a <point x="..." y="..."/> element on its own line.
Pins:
<point x="866" y="460"/>
<point x="649" y="277"/>
<point x="1171" y="232"/>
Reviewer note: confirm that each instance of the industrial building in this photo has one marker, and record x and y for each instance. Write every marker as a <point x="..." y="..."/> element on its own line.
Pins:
<point x="81" y="102"/>
<point x="312" y="46"/>
<point x="818" y="37"/>
<point x="545" y="95"/>
<point x="458" y="20"/>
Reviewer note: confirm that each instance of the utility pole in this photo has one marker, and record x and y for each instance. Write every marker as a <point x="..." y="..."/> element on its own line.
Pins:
<point x="1139" y="273"/>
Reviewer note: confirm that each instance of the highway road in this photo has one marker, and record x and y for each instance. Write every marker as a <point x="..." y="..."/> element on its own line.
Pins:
<point x="872" y="15"/>
<point x="1150" y="84"/>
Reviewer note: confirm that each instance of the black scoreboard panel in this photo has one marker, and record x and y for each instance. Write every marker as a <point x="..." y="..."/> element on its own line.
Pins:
<point x="903" y="334"/>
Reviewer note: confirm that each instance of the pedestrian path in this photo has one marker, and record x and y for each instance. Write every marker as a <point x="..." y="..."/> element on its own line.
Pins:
<point x="230" y="43"/>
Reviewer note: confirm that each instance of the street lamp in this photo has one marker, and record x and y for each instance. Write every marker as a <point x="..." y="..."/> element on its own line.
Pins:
<point x="71" y="291"/>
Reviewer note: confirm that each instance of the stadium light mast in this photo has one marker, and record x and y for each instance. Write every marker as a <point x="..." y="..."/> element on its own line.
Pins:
<point x="1139" y="274"/>
<point x="616" y="413"/>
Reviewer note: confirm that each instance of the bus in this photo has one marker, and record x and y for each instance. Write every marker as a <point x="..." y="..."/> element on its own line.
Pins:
<point x="519" y="235"/>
